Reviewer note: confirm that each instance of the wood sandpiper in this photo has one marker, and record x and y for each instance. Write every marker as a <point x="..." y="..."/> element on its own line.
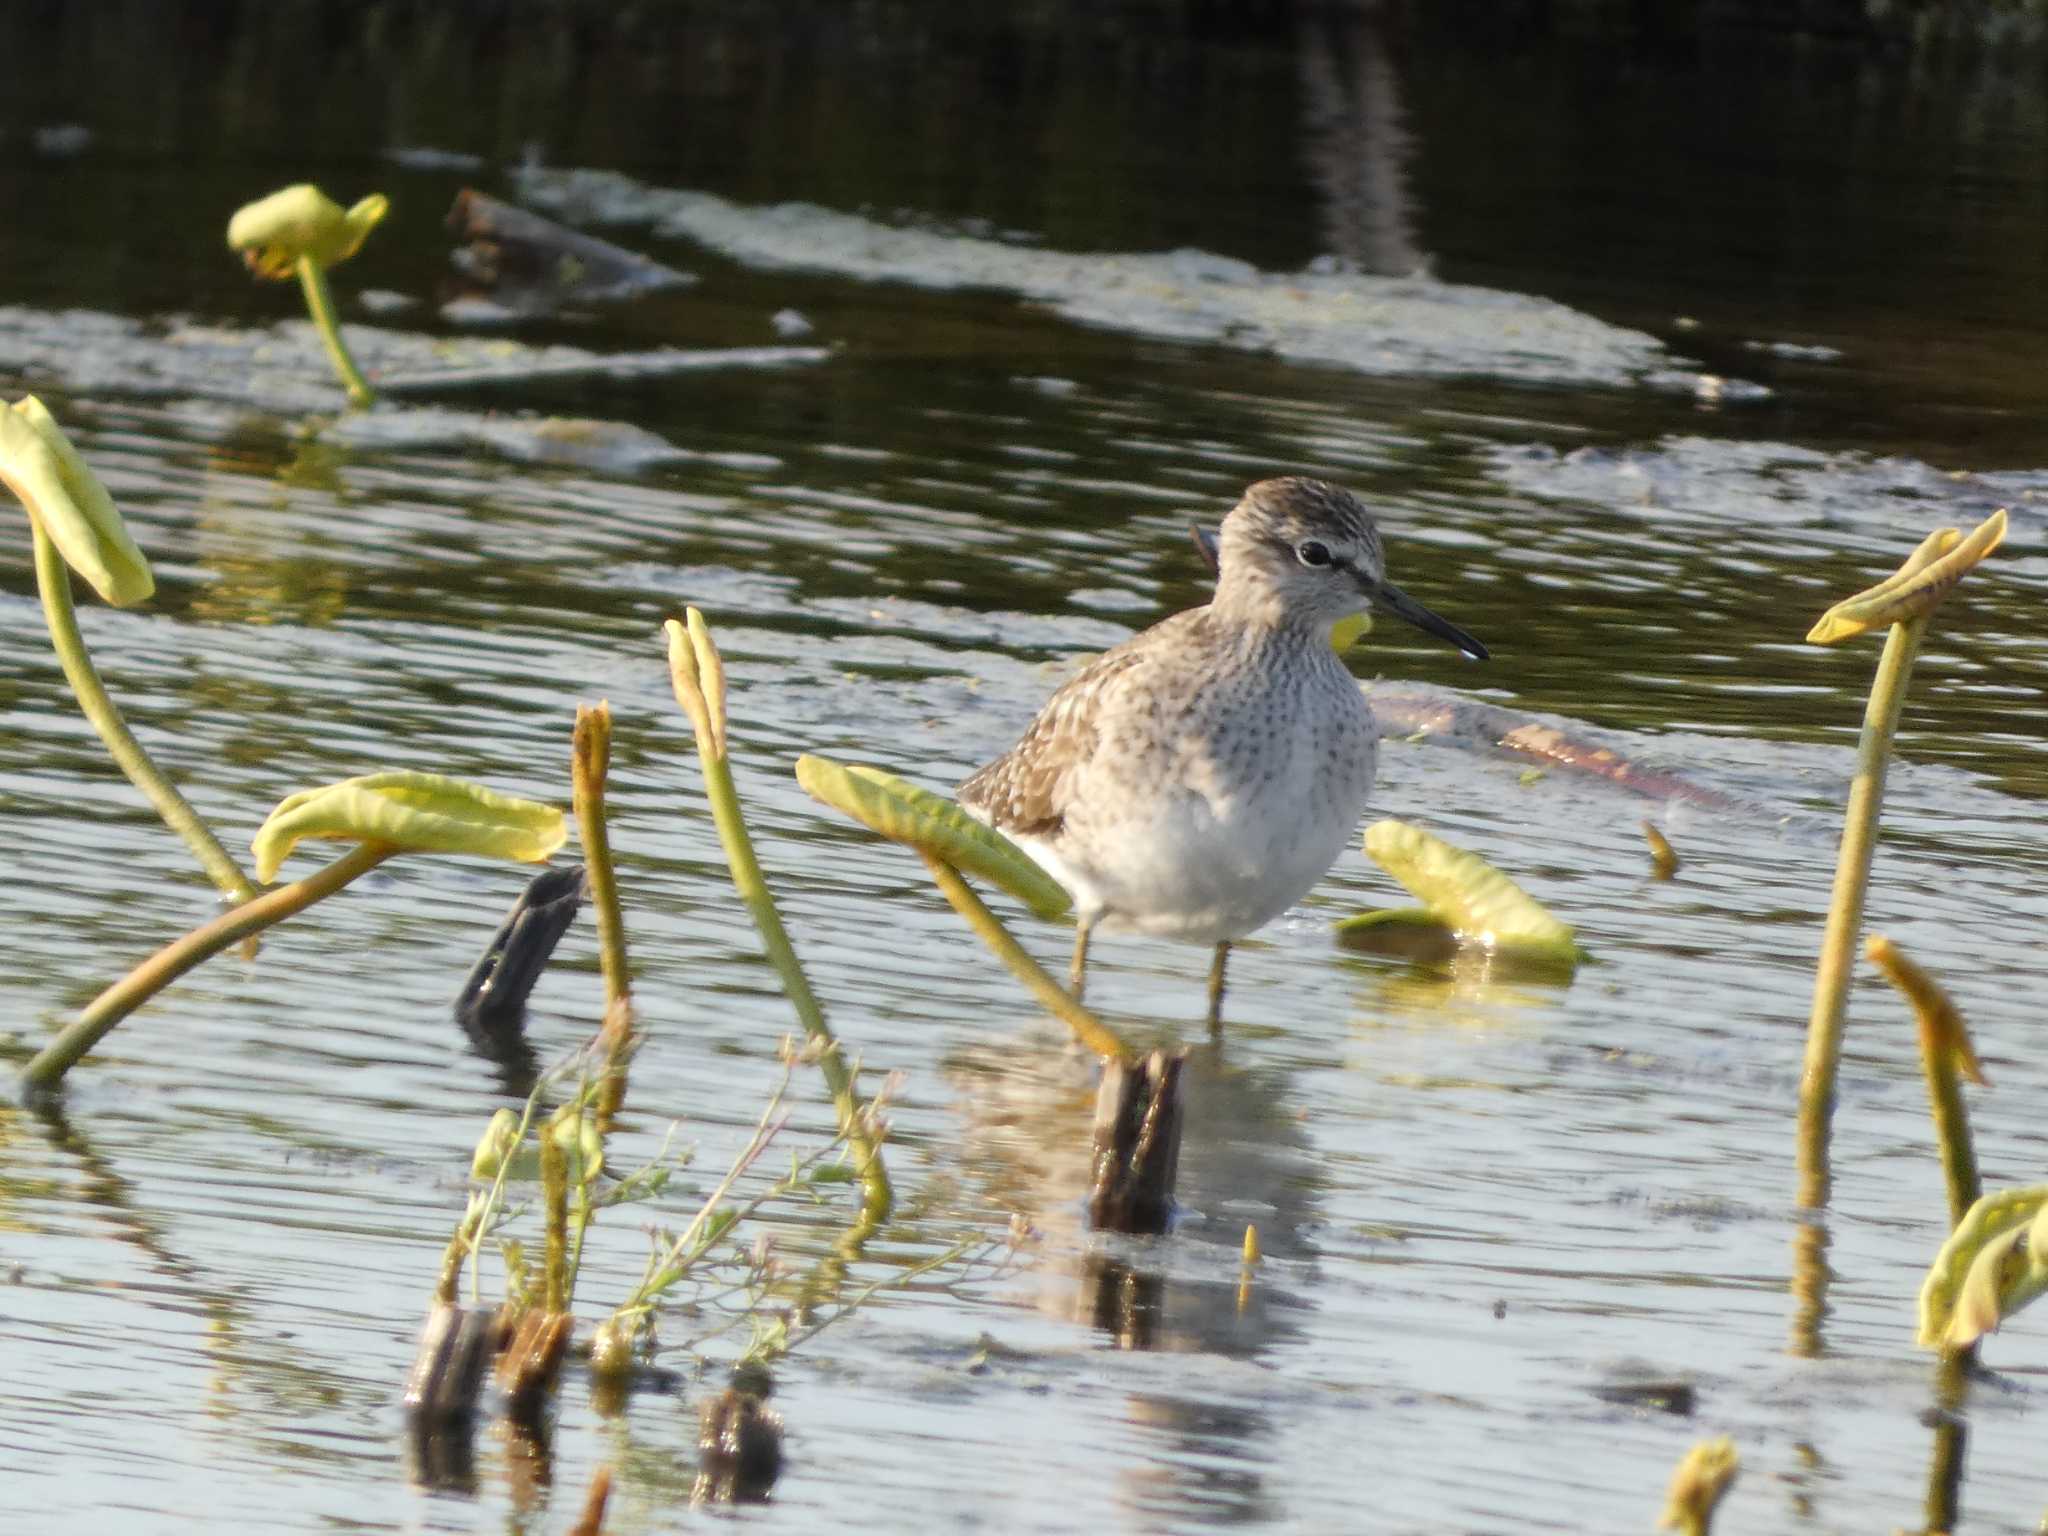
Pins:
<point x="1198" y="779"/>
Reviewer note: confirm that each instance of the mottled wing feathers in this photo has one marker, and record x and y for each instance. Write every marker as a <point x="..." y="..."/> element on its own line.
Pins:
<point x="1024" y="790"/>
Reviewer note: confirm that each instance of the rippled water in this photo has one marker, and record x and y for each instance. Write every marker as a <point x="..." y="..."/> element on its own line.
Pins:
<point x="1483" y="1201"/>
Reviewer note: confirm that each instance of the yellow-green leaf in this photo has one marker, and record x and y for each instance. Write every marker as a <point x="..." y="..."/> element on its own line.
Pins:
<point x="273" y="232"/>
<point x="1467" y="894"/>
<point x="901" y="811"/>
<point x="422" y="812"/>
<point x="1697" y="1485"/>
<point x="1988" y="1269"/>
<point x="1916" y="588"/>
<point x="575" y="1133"/>
<point x="68" y="502"/>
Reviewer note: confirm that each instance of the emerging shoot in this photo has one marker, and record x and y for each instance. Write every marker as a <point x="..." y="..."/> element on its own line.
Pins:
<point x="302" y="231"/>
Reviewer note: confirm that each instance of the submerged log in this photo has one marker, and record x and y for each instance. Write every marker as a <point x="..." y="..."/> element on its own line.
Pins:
<point x="533" y="265"/>
<point x="1138" y="1115"/>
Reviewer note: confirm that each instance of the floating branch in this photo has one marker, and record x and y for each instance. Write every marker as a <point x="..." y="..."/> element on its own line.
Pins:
<point x="697" y="674"/>
<point x="302" y="231"/>
<point x="1906" y="602"/>
<point x="75" y="524"/>
<point x="534" y="265"/>
<point x="384" y="814"/>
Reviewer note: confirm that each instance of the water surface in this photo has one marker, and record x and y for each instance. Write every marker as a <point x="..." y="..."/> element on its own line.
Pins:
<point x="1484" y="1200"/>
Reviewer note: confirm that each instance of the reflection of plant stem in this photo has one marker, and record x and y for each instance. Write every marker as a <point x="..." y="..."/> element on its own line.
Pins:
<point x="54" y="580"/>
<point x="175" y="959"/>
<point x="591" y="761"/>
<point x="320" y="302"/>
<point x="1087" y="1028"/>
<point x="1845" y="908"/>
<point x="699" y="681"/>
<point x="1951" y="1436"/>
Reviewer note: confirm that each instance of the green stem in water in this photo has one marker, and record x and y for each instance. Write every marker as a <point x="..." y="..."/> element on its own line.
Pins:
<point x="1087" y="1028"/>
<point x="320" y="303"/>
<point x="1845" y="908"/>
<point x="753" y="891"/>
<point x="53" y="579"/>
<point x="175" y="959"/>
<point x="590" y="761"/>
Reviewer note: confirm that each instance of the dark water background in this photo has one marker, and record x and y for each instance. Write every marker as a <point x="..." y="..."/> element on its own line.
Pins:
<point x="1483" y="1202"/>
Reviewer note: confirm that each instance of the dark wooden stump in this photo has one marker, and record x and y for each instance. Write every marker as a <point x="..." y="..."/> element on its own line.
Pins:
<point x="1138" y="1115"/>
<point x="492" y="1004"/>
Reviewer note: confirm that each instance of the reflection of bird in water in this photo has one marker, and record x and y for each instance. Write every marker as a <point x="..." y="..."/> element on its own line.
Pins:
<point x="1196" y="781"/>
<point x="1244" y="1162"/>
<point x="1203" y="1431"/>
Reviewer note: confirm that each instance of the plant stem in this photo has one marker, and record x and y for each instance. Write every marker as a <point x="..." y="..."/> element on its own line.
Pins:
<point x="590" y="762"/>
<point x="1087" y="1028"/>
<point x="175" y="959"/>
<point x="53" y="579"/>
<point x="753" y="891"/>
<point x="320" y="303"/>
<point x="1845" y="909"/>
<point x="699" y="680"/>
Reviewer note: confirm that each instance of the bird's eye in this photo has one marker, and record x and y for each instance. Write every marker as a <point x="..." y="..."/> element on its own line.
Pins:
<point x="1310" y="552"/>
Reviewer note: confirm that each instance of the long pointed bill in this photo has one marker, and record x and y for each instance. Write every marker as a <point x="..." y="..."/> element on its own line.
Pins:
<point x="1402" y="606"/>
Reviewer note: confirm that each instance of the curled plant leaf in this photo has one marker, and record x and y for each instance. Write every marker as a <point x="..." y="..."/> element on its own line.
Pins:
<point x="574" y="1134"/>
<point x="422" y="812"/>
<point x="1465" y="894"/>
<point x="1705" y="1474"/>
<point x="1663" y="857"/>
<point x="1943" y="1035"/>
<point x="1993" y="1264"/>
<point x="697" y="673"/>
<point x="64" y="496"/>
<point x="273" y="232"/>
<point x="906" y="814"/>
<point x="1917" y="588"/>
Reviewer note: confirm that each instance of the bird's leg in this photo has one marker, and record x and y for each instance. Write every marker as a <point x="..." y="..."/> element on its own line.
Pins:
<point x="1216" y="985"/>
<point x="1077" y="974"/>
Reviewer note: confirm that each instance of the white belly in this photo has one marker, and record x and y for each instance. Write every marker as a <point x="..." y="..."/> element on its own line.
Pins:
<point x="1225" y="849"/>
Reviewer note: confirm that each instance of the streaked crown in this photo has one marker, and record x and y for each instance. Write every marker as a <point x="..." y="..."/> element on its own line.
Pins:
<point x="1298" y="551"/>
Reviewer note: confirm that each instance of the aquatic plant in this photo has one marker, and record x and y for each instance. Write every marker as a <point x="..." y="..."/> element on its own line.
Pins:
<point x="75" y="524"/>
<point x="382" y="814"/>
<point x="301" y="231"/>
<point x="697" y="676"/>
<point x="1463" y="898"/>
<point x="1994" y="1263"/>
<point x="590" y="761"/>
<point x="949" y="840"/>
<point x="1903" y="604"/>
<point x="1945" y="1055"/>
<point x="1704" y="1475"/>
